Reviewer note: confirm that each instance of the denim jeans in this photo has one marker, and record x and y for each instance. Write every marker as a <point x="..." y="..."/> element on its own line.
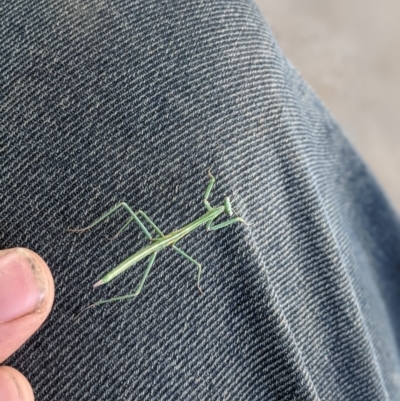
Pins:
<point x="122" y="100"/>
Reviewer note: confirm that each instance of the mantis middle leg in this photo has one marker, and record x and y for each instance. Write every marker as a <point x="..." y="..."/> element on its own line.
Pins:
<point x="174" y="247"/>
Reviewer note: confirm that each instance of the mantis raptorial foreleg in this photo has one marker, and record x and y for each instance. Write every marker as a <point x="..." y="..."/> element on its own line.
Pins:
<point x="212" y="227"/>
<point x="208" y="191"/>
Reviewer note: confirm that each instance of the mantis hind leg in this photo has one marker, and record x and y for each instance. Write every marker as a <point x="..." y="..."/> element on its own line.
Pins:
<point x="110" y="212"/>
<point x="174" y="247"/>
<point x="138" y="288"/>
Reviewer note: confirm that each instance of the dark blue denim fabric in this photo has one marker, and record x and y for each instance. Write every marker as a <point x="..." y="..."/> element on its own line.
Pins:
<point x="104" y="101"/>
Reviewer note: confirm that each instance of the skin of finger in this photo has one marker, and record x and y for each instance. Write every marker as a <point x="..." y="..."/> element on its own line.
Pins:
<point x="15" y="384"/>
<point x="14" y="333"/>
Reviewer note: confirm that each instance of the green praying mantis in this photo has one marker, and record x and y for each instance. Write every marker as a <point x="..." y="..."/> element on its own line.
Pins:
<point x="162" y="241"/>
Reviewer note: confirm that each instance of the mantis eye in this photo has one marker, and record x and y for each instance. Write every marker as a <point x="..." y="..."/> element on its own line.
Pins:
<point x="228" y="207"/>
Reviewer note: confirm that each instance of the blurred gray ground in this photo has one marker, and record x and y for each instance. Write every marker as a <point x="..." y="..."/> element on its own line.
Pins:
<point x="349" y="52"/>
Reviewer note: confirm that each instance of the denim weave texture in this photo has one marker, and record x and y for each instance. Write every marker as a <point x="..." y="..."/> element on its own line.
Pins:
<point x="108" y="101"/>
